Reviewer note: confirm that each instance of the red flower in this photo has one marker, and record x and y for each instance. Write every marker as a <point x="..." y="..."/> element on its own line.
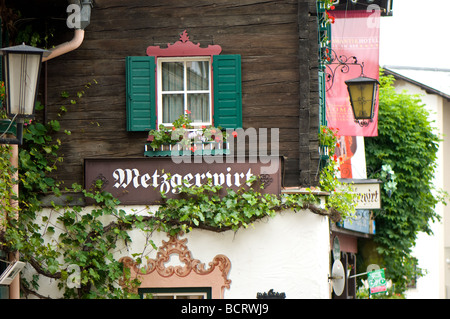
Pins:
<point x="188" y="112"/>
<point x="234" y="134"/>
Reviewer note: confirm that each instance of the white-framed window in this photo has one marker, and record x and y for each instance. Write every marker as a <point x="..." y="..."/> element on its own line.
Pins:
<point x="222" y="82"/>
<point x="192" y="295"/>
<point x="184" y="87"/>
<point x="175" y="293"/>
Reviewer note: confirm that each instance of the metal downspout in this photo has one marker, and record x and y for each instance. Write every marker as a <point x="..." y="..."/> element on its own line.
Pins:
<point x="84" y="20"/>
<point x="68" y="46"/>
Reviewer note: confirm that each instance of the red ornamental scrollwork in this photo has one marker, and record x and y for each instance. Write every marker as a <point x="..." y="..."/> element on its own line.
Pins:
<point x="190" y="265"/>
<point x="184" y="47"/>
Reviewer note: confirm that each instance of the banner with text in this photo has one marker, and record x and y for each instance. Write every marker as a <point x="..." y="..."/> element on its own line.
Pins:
<point x="354" y="33"/>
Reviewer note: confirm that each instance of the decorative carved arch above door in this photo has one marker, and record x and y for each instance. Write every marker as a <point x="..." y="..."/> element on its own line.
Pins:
<point x="193" y="273"/>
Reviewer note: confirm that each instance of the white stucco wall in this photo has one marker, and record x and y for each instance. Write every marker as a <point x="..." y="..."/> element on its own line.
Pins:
<point x="288" y="253"/>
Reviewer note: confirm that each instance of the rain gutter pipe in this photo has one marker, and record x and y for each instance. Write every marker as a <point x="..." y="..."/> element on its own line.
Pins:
<point x="83" y="21"/>
<point x="83" y="9"/>
<point x="68" y="46"/>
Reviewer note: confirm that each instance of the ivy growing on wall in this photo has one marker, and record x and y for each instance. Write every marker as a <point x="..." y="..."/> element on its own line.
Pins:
<point x="62" y="242"/>
<point x="7" y="181"/>
<point x="408" y="144"/>
<point x="74" y="240"/>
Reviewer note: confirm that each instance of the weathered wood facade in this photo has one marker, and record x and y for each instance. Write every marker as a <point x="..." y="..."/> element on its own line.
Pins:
<point x="277" y="41"/>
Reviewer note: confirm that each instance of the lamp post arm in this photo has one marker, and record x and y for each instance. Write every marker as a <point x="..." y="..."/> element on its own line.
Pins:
<point x="357" y="275"/>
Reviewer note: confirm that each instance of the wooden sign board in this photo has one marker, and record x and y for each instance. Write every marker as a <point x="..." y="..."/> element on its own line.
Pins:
<point x="368" y="191"/>
<point x="140" y="181"/>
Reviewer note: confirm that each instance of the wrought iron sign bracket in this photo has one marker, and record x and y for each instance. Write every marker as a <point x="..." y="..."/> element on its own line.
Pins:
<point x="340" y="63"/>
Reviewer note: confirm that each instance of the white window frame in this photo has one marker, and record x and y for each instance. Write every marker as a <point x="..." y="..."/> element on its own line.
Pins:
<point x="176" y="295"/>
<point x="160" y="60"/>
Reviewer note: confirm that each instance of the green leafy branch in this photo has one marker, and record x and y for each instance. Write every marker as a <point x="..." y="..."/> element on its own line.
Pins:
<point x="409" y="196"/>
<point x="342" y="198"/>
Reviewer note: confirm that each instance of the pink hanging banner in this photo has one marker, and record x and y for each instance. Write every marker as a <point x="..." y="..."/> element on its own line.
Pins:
<point x="354" y="33"/>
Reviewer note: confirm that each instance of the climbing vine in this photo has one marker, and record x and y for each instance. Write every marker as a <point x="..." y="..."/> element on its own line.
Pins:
<point x="7" y="181"/>
<point x="407" y="144"/>
<point x="8" y="197"/>
<point x="342" y="198"/>
<point x="75" y="245"/>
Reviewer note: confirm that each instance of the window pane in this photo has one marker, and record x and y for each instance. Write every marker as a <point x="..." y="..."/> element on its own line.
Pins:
<point x="173" y="107"/>
<point x="172" y="76"/>
<point x="190" y="297"/>
<point x="197" y="75"/>
<point x="198" y="105"/>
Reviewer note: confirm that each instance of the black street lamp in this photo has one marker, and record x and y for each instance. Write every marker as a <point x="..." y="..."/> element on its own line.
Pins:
<point x="22" y="70"/>
<point x="363" y="96"/>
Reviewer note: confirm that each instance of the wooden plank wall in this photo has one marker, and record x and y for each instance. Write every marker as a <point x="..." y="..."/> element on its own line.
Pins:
<point x="277" y="42"/>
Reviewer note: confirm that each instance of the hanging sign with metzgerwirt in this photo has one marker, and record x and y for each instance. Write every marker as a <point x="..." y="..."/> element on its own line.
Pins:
<point x="141" y="181"/>
<point x="367" y="191"/>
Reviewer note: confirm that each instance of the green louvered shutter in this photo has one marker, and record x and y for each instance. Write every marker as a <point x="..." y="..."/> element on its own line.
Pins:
<point x="227" y="91"/>
<point x="141" y="108"/>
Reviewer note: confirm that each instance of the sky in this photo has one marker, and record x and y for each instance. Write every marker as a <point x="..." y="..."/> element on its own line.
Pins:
<point x="416" y="35"/>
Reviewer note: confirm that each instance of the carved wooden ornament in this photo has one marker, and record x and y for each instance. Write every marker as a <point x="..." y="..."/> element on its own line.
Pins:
<point x="184" y="47"/>
<point x="192" y="274"/>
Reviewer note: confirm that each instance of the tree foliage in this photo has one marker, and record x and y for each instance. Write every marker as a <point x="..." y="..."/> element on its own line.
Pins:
<point x="408" y="143"/>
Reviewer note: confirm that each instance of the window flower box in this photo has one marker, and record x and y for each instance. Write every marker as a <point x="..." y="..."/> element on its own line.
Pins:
<point x="184" y="140"/>
<point x="204" y="148"/>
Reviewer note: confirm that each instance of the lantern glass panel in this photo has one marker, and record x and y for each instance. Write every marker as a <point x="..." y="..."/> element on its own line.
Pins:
<point x="23" y="76"/>
<point x="362" y="98"/>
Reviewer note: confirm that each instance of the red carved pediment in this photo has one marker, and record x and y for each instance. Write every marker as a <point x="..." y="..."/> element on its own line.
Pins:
<point x="192" y="273"/>
<point x="183" y="47"/>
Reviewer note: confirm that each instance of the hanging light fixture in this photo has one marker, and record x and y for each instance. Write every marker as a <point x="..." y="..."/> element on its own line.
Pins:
<point x="363" y="96"/>
<point x="22" y="69"/>
<point x="362" y="90"/>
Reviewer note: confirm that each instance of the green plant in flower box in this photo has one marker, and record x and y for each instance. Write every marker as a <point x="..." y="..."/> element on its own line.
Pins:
<point x="183" y="133"/>
<point x="160" y="137"/>
<point x="165" y="136"/>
